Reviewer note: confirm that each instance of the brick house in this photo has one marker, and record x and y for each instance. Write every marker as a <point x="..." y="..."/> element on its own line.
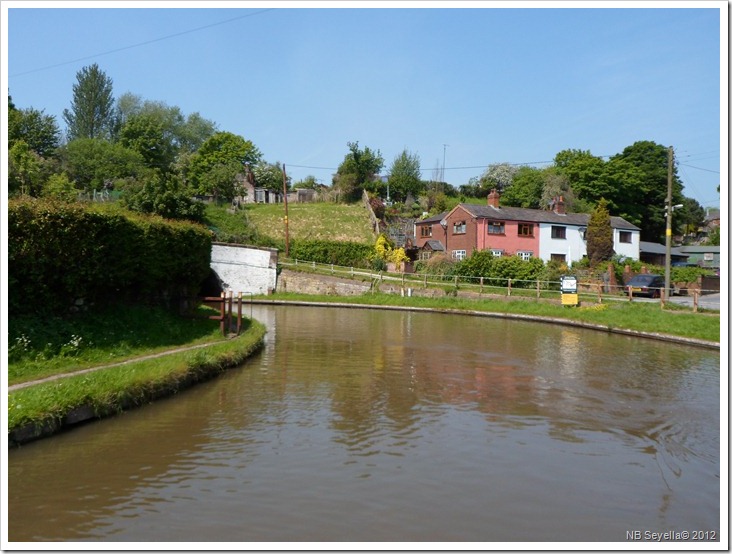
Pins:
<point x="527" y="233"/>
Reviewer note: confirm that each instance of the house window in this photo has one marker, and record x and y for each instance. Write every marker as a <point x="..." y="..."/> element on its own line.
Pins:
<point x="626" y="237"/>
<point x="425" y="255"/>
<point x="496" y="253"/>
<point x="459" y="255"/>
<point x="496" y="228"/>
<point x="525" y="255"/>
<point x="458" y="228"/>
<point x="425" y="230"/>
<point x="559" y="232"/>
<point x="559" y="257"/>
<point x="526" y="229"/>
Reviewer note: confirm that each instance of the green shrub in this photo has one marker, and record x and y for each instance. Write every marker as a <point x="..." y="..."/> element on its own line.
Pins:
<point x="521" y="272"/>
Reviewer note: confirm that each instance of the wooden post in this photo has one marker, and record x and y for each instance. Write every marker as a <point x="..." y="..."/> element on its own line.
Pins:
<point x="509" y="286"/>
<point x="238" y="316"/>
<point x="222" y="313"/>
<point x="696" y="301"/>
<point x="663" y="298"/>
<point x="287" y="222"/>
<point x="538" y="289"/>
<point x="599" y="294"/>
<point x="481" y="285"/>
<point x="231" y="311"/>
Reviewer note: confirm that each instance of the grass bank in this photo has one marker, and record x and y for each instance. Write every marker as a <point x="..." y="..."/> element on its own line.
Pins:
<point x="43" y="346"/>
<point x="45" y="408"/>
<point x="643" y="317"/>
<point x="263" y="224"/>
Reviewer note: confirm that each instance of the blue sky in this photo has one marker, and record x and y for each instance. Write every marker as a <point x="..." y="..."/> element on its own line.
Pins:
<point x="513" y="84"/>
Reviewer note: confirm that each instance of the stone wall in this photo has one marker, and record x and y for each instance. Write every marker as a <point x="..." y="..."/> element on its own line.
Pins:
<point x="306" y="283"/>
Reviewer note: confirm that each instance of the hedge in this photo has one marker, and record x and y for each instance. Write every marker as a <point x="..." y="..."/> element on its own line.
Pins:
<point x="349" y="254"/>
<point x="65" y="254"/>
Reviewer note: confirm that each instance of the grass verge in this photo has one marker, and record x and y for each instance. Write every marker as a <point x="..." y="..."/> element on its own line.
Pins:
<point x="40" y="347"/>
<point x="642" y="317"/>
<point x="46" y="408"/>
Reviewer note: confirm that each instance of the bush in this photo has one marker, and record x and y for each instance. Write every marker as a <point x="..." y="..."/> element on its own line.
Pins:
<point x="63" y="253"/>
<point x="521" y="272"/>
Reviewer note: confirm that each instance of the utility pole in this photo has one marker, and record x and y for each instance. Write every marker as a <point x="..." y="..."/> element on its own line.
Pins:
<point x="669" y="209"/>
<point x="287" y="222"/>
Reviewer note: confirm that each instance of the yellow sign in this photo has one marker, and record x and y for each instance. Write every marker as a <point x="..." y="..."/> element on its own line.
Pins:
<point x="570" y="299"/>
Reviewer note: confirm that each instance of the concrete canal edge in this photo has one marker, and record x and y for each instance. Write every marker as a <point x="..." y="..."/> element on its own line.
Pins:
<point x="219" y="363"/>
<point x="542" y="319"/>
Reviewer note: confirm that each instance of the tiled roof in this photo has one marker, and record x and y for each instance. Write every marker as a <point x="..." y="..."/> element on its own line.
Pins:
<point x="432" y="219"/>
<point x="509" y="213"/>
<point x="657" y="248"/>
<point x="435" y="245"/>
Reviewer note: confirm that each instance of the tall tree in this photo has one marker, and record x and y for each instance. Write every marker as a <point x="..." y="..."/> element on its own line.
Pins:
<point x="498" y="176"/>
<point x="184" y="133"/>
<point x="37" y="129"/>
<point x="358" y="168"/>
<point x="270" y="175"/>
<point x="95" y="163"/>
<point x="638" y="179"/>
<point x="690" y="218"/>
<point x="145" y="134"/>
<point x="213" y="168"/>
<point x="24" y="169"/>
<point x="599" y="234"/>
<point x="92" y="113"/>
<point x="525" y="190"/>
<point x="405" y="176"/>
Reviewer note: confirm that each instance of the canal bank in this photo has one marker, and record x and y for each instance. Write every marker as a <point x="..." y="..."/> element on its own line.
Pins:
<point x="48" y="406"/>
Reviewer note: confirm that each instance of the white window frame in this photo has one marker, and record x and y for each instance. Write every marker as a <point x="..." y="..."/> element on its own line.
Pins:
<point x="496" y="253"/>
<point x="525" y="255"/>
<point x="459" y="254"/>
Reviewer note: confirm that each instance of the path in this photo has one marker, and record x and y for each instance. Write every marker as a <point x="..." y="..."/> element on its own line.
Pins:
<point x="25" y="384"/>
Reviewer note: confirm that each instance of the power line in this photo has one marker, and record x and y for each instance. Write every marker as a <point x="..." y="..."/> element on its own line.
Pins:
<point x="145" y="43"/>
<point x="701" y="168"/>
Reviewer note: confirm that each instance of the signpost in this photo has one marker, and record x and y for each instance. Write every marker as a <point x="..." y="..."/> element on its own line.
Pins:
<point x="568" y="286"/>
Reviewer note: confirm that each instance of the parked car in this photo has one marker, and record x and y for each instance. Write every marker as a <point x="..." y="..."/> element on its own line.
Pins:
<point x="646" y="284"/>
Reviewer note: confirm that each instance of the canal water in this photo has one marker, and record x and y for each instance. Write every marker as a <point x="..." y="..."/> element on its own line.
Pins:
<point x="372" y="425"/>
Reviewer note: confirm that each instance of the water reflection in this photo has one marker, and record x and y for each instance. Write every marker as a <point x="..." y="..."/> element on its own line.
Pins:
<point x="373" y="425"/>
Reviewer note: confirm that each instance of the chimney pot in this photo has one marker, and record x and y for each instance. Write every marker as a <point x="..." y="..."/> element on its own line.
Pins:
<point x="494" y="198"/>
<point x="559" y="206"/>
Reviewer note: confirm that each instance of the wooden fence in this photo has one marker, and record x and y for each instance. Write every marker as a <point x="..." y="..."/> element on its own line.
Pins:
<point x="229" y="323"/>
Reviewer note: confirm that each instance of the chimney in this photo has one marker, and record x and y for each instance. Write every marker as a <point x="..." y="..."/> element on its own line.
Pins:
<point x="559" y="206"/>
<point x="493" y="198"/>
